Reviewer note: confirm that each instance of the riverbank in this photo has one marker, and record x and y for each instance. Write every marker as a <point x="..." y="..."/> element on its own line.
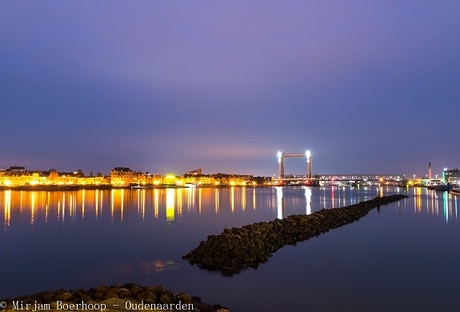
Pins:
<point x="49" y="188"/>
<point x="77" y="187"/>
<point x="240" y="248"/>
<point x="110" y="299"/>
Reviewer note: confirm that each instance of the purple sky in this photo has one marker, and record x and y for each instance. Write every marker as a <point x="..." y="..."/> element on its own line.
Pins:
<point x="170" y="86"/>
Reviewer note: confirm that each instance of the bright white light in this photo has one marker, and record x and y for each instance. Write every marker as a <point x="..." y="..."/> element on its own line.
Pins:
<point x="279" y="202"/>
<point x="308" y="155"/>
<point x="308" y="200"/>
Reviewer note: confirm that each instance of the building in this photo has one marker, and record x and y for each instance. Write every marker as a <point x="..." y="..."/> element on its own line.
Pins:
<point x="122" y="176"/>
<point x="452" y="176"/>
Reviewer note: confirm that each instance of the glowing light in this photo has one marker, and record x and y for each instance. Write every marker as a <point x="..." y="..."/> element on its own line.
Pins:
<point x="216" y="201"/>
<point x="156" y="201"/>
<point x="7" y="211"/>
<point x="308" y="155"/>
<point x="279" y="202"/>
<point x="308" y="194"/>
<point x="232" y="199"/>
<point x="170" y="205"/>
<point x="169" y="179"/>
<point x="7" y="182"/>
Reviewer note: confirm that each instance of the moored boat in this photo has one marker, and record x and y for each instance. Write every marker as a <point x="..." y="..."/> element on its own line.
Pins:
<point x="137" y="186"/>
<point x="437" y="184"/>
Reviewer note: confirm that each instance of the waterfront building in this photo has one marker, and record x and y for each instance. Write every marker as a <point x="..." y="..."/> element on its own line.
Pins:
<point x="452" y="176"/>
<point x="170" y="180"/>
<point x="23" y="177"/>
<point x="122" y="176"/>
<point x="19" y="176"/>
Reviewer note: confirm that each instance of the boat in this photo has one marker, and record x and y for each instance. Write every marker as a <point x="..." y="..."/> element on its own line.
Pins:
<point x="437" y="185"/>
<point x="442" y="187"/>
<point x="455" y="191"/>
<point x="137" y="186"/>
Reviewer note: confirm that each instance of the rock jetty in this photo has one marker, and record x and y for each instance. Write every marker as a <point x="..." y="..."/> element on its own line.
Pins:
<point x="110" y="299"/>
<point x="236" y="249"/>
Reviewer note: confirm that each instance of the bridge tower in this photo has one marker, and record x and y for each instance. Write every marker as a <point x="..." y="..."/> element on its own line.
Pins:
<point x="281" y="161"/>
<point x="280" y="165"/>
<point x="309" y="165"/>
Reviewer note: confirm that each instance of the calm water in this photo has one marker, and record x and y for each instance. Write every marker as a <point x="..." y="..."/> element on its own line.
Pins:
<point x="404" y="257"/>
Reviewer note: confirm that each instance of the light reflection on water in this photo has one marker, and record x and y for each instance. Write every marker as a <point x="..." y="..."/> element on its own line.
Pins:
<point x="170" y="204"/>
<point x="436" y="203"/>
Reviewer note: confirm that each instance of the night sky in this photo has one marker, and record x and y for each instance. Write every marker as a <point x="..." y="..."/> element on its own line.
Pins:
<point x="170" y="86"/>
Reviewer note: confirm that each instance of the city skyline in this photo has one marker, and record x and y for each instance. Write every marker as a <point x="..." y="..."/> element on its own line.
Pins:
<point x="170" y="87"/>
<point x="24" y="169"/>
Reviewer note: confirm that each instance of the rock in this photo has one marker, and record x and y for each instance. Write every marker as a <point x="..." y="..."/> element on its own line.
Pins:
<point x="48" y="298"/>
<point x="112" y="292"/>
<point x="136" y="290"/>
<point x="184" y="298"/>
<point x="111" y="295"/>
<point x="156" y="290"/>
<point x="240" y="248"/>
<point x="66" y="296"/>
<point x="165" y="299"/>
<point x="124" y="293"/>
<point x="115" y="304"/>
<point x="102" y="289"/>
<point x="107" y="295"/>
<point x="98" y="296"/>
<point x="146" y="296"/>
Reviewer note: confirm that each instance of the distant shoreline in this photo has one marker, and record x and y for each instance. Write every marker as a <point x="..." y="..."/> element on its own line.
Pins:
<point x="108" y="187"/>
<point x="55" y="187"/>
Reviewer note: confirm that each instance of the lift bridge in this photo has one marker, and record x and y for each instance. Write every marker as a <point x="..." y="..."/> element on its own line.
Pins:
<point x="309" y="179"/>
<point x="370" y="178"/>
<point x="335" y="179"/>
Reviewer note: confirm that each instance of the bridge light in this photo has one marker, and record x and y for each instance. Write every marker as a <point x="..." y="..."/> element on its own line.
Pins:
<point x="279" y="154"/>
<point x="308" y="155"/>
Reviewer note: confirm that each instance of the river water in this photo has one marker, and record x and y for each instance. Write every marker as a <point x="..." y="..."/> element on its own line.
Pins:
<point x="401" y="257"/>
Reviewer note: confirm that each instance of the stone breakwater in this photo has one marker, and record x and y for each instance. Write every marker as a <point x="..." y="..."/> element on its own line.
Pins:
<point x="240" y="248"/>
<point x="128" y="297"/>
